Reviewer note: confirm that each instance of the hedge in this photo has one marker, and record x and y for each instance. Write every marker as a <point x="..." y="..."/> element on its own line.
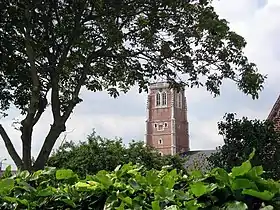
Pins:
<point x="132" y="187"/>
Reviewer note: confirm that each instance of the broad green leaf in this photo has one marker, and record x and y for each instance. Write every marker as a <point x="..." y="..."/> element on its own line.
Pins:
<point x="173" y="207"/>
<point x="127" y="200"/>
<point x="236" y="206"/>
<point x="169" y="181"/>
<point x="198" y="189"/>
<point x="242" y="183"/>
<point x="69" y="202"/>
<point x="152" y="177"/>
<point x="196" y="174"/>
<point x="15" y="200"/>
<point x="267" y="208"/>
<point x="45" y="192"/>
<point x="164" y="193"/>
<point x="222" y="175"/>
<point x="241" y="170"/>
<point x="192" y="205"/>
<point x="102" y="177"/>
<point x="64" y="174"/>
<point x="121" y="207"/>
<point x="155" y="205"/>
<point x="6" y="185"/>
<point x="256" y="172"/>
<point x="8" y="172"/>
<point x="23" y="202"/>
<point x="36" y="175"/>
<point x="182" y="195"/>
<point x="24" y="174"/>
<point x="265" y="195"/>
<point x="10" y="199"/>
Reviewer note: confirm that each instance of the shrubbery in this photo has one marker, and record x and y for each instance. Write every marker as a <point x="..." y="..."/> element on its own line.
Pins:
<point x="98" y="153"/>
<point x="240" y="136"/>
<point x="133" y="187"/>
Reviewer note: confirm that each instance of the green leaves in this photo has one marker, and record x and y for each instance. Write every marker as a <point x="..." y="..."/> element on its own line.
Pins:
<point x="198" y="189"/>
<point x="236" y="206"/>
<point x="240" y="137"/>
<point x="155" y="205"/>
<point x="266" y="195"/>
<point x="134" y="187"/>
<point x="6" y="185"/>
<point x="64" y="174"/>
<point x="99" y="153"/>
<point x="241" y="170"/>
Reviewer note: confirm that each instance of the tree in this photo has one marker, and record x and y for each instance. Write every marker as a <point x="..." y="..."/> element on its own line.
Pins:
<point x="57" y="48"/>
<point x="240" y="137"/>
<point x="97" y="153"/>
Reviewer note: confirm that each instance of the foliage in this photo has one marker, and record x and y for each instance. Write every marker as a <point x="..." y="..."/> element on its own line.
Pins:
<point x="58" y="48"/>
<point x="240" y="136"/>
<point x="133" y="187"/>
<point x="104" y="154"/>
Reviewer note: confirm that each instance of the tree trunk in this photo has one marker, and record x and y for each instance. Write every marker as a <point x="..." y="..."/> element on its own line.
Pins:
<point x="47" y="147"/>
<point x="26" y="150"/>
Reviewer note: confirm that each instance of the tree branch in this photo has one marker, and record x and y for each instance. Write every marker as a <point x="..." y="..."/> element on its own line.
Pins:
<point x="10" y="147"/>
<point x="75" y="98"/>
<point x="34" y="75"/>
<point x="42" y="106"/>
<point x="55" y="102"/>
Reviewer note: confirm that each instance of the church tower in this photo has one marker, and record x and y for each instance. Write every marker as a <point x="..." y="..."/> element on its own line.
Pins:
<point x="167" y="124"/>
<point x="274" y="114"/>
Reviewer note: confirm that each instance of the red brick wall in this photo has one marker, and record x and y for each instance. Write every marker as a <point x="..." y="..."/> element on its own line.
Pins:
<point x="164" y="115"/>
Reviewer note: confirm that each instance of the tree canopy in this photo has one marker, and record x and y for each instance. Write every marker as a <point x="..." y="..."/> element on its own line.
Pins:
<point x="56" y="48"/>
<point x="97" y="153"/>
<point x="240" y="137"/>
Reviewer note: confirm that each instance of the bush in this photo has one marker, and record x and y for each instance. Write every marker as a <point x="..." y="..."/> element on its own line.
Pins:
<point x="240" y="136"/>
<point x="98" y="153"/>
<point x="133" y="187"/>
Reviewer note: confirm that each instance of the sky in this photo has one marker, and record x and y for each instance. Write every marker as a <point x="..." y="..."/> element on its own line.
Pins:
<point x="258" y="21"/>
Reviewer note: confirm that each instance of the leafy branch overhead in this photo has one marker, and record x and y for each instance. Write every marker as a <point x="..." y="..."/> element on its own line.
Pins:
<point x="57" y="48"/>
<point x="101" y="44"/>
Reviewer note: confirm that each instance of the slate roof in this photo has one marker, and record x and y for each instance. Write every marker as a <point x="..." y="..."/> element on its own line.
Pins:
<point x="198" y="158"/>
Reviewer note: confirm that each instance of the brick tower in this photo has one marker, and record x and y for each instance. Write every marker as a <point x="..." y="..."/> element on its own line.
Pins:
<point x="274" y="114"/>
<point x="167" y="124"/>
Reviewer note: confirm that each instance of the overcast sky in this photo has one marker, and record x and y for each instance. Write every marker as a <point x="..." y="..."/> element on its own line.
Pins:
<point x="256" y="20"/>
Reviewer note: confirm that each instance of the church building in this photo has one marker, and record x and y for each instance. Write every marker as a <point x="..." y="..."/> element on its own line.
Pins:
<point x="167" y="123"/>
<point x="167" y="127"/>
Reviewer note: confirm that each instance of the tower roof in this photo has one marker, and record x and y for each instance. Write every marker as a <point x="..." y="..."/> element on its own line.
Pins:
<point x="157" y="85"/>
<point x="275" y="109"/>
<point x="162" y="84"/>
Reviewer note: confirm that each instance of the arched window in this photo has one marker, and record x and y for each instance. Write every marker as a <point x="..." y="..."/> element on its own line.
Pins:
<point x="161" y="154"/>
<point x="164" y="99"/>
<point x="158" y="99"/>
<point x="160" y="141"/>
